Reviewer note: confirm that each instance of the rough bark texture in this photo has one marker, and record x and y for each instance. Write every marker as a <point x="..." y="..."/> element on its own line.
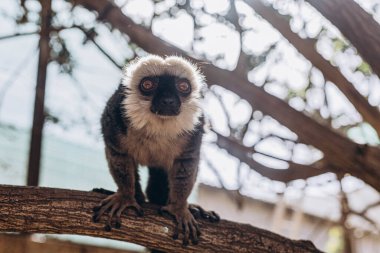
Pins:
<point x="356" y="25"/>
<point x="307" y="48"/>
<point x="58" y="211"/>
<point x="343" y="155"/>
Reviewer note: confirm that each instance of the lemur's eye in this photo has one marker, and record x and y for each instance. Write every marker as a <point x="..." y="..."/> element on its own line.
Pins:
<point x="183" y="87"/>
<point x="148" y="85"/>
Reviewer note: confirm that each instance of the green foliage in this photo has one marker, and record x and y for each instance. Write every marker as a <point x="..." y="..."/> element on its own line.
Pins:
<point x="335" y="243"/>
<point x="364" y="68"/>
<point x="339" y="45"/>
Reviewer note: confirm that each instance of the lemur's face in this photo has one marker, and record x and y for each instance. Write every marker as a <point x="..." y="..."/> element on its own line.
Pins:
<point x="162" y="94"/>
<point x="166" y="93"/>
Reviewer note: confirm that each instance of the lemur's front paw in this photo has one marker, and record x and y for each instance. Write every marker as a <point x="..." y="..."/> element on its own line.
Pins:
<point x="185" y="224"/>
<point x="199" y="213"/>
<point x="116" y="204"/>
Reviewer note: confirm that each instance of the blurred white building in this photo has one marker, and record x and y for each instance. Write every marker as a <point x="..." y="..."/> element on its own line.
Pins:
<point x="288" y="219"/>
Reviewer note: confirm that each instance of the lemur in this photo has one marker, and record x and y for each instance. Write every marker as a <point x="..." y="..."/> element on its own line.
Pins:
<point x="154" y="118"/>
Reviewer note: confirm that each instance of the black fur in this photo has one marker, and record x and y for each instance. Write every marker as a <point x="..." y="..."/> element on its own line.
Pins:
<point x="157" y="190"/>
<point x="112" y="122"/>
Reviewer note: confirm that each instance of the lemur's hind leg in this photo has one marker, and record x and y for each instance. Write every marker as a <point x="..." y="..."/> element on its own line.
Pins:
<point x="199" y="213"/>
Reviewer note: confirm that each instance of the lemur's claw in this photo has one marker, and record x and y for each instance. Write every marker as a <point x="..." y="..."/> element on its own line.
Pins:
<point x="185" y="224"/>
<point x="115" y="204"/>
<point x="107" y="228"/>
<point x="95" y="218"/>
<point x="200" y="213"/>
<point x="139" y="211"/>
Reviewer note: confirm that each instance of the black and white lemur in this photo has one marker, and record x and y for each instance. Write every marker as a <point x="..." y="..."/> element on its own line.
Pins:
<point x="154" y="118"/>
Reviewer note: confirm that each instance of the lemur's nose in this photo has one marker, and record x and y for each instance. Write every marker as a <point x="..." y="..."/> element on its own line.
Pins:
<point x="167" y="101"/>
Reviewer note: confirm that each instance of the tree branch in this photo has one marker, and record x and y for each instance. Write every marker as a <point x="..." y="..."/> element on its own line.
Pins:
<point x="293" y="172"/>
<point x="356" y="25"/>
<point x="307" y="48"/>
<point x="11" y="36"/>
<point x="90" y="35"/>
<point x="59" y="211"/>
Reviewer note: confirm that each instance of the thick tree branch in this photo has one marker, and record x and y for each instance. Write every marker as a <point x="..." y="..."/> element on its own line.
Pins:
<point x="307" y="48"/>
<point x="356" y="25"/>
<point x="344" y="155"/>
<point x="58" y="211"/>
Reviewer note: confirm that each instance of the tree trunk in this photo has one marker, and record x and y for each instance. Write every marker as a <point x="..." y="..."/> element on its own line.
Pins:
<point x="58" y="211"/>
<point x="342" y="155"/>
<point x="39" y="103"/>
<point x="356" y="25"/>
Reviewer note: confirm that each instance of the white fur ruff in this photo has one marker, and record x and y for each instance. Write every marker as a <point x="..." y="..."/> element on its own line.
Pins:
<point x="138" y="108"/>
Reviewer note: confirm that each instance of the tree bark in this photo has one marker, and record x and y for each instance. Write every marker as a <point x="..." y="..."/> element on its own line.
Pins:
<point x="343" y="155"/>
<point x="59" y="211"/>
<point x="356" y="25"/>
<point x="307" y="48"/>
